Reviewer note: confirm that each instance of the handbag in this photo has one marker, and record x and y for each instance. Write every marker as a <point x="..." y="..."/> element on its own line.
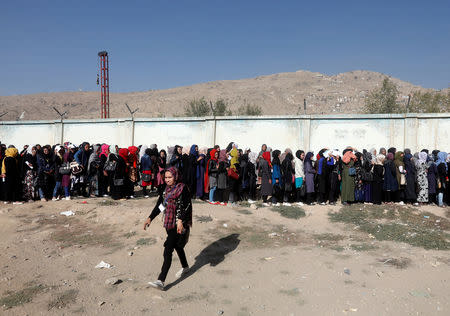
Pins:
<point x="303" y="190"/>
<point x="402" y="179"/>
<point x="110" y="165"/>
<point x="76" y="168"/>
<point x="233" y="174"/>
<point x="65" y="168"/>
<point x="118" y="182"/>
<point x="146" y="177"/>
<point x="352" y="171"/>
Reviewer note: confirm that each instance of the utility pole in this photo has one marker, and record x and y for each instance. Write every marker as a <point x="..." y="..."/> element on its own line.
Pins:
<point x="61" y="115"/>
<point x="132" y="122"/>
<point x="214" y="117"/>
<point x="3" y="114"/>
<point x="304" y="106"/>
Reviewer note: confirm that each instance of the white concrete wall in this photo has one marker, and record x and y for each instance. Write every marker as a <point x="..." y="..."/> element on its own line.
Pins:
<point x="415" y="131"/>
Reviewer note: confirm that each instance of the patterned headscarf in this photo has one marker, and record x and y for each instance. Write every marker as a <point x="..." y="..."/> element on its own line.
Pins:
<point x="170" y="195"/>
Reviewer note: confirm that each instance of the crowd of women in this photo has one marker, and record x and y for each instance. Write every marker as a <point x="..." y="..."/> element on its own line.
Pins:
<point x="226" y="175"/>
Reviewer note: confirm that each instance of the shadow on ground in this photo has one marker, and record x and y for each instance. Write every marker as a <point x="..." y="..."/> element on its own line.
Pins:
<point x="213" y="254"/>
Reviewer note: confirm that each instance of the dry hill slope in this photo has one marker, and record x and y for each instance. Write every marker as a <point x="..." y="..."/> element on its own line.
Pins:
<point x="277" y="94"/>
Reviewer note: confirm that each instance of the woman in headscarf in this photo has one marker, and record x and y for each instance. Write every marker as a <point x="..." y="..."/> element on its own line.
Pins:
<point x="401" y="177"/>
<point x="29" y="169"/>
<point x="447" y="194"/>
<point x="94" y="169"/>
<point x="348" y="175"/>
<point x="46" y="172"/>
<point x="58" y="161"/>
<point x="200" y="173"/>
<point x="359" y="185"/>
<point x="252" y="178"/>
<point x="161" y="166"/>
<point x="190" y="161"/>
<point x="133" y="171"/>
<point x="66" y="178"/>
<point x="176" y="204"/>
<point x="288" y="172"/>
<point x="277" y="179"/>
<point x="119" y="174"/>
<point x="367" y="172"/>
<point x="154" y="154"/>
<point x="299" y="176"/>
<point x="383" y="151"/>
<point x="233" y="184"/>
<point x="212" y="167"/>
<point x="309" y="178"/>
<point x="244" y="177"/>
<point x="390" y="183"/>
<point x="11" y="176"/>
<point x="432" y="174"/>
<point x="102" y="175"/>
<point x="82" y="157"/>
<point x="334" y="171"/>
<point x="146" y="171"/>
<point x="222" y="178"/>
<point x="176" y="159"/>
<point x="442" y="178"/>
<point x="410" y="189"/>
<point x="421" y="176"/>
<point x="322" y="176"/>
<point x="266" y="177"/>
<point x="377" y="183"/>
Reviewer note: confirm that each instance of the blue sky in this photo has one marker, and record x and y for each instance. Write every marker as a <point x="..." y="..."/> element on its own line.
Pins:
<point x="50" y="46"/>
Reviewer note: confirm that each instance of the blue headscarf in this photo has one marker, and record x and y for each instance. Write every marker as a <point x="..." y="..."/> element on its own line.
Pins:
<point x="193" y="152"/>
<point x="441" y="157"/>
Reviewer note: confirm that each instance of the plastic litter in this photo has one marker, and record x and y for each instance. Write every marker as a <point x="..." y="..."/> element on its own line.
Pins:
<point x="426" y="216"/>
<point x="102" y="265"/>
<point x="67" y="213"/>
<point x="225" y="225"/>
<point x="347" y="271"/>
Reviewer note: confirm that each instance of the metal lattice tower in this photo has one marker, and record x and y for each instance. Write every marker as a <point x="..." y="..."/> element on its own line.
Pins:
<point x="104" y="81"/>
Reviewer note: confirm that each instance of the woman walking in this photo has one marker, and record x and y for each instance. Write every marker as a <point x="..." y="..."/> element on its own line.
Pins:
<point x="176" y="205"/>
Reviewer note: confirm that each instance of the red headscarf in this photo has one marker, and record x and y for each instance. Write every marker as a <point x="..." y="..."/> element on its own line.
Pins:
<point x="133" y="155"/>
<point x="212" y="155"/>
<point x="266" y="156"/>
<point x="123" y="152"/>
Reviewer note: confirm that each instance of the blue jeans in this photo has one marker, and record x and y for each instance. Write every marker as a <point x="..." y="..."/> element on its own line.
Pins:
<point x="440" y="199"/>
<point x="56" y="189"/>
<point x="211" y="194"/>
<point x="41" y="193"/>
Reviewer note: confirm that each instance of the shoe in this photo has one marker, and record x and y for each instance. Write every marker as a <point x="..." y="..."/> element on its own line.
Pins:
<point x="182" y="272"/>
<point x="401" y="203"/>
<point x="265" y="204"/>
<point x="54" y="199"/>
<point x="323" y="203"/>
<point x="212" y="203"/>
<point x="105" y="195"/>
<point x="157" y="284"/>
<point x="67" y="198"/>
<point x="277" y="204"/>
<point x="416" y="204"/>
<point x="146" y="196"/>
<point x="131" y="196"/>
<point x="251" y="201"/>
<point x="287" y="204"/>
<point x="299" y="203"/>
<point x="17" y="203"/>
<point x="223" y="203"/>
<point x="44" y="200"/>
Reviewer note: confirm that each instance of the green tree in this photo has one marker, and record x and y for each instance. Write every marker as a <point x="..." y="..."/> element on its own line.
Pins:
<point x="250" y="110"/>
<point x="220" y="108"/>
<point x="197" y="108"/>
<point x="430" y="102"/>
<point x="384" y="99"/>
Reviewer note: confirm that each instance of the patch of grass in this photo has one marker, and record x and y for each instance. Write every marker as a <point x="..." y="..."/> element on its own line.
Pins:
<point x="401" y="224"/>
<point x="330" y="241"/>
<point x="245" y="212"/>
<point x="292" y="292"/>
<point x="329" y="237"/>
<point x="13" y="299"/>
<point x="63" y="299"/>
<point x="129" y="234"/>
<point x="203" y="219"/>
<point x="337" y="248"/>
<point x="108" y="203"/>
<point x="145" y="241"/>
<point x="363" y="247"/>
<point x="244" y="204"/>
<point x="399" y="263"/>
<point x="289" y="211"/>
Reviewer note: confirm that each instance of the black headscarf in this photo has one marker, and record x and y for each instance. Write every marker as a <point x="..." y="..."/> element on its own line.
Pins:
<point x="276" y="157"/>
<point x="299" y="153"/>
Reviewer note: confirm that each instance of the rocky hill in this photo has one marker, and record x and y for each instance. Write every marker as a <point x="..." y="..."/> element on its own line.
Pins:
<point x="277" y="94"/>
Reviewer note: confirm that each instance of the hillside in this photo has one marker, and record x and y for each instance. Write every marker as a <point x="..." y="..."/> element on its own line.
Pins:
<point x="277" y="94"/>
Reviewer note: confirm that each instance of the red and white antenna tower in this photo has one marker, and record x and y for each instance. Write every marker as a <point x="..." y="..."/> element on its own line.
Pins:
<point x="104" y="81"/>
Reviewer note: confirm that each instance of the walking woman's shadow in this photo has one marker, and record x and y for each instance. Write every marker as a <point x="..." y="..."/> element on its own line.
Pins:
<point x="213" y="254"/>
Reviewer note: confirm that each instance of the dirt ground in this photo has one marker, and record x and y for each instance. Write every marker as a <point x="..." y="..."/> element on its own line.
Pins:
<point x="244" y="261"/>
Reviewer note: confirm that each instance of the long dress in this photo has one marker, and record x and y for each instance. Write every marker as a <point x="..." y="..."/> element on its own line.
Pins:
<point x="410" y="190"/>
<point x="200" y="174"/>
<point x="348" y="183"/>
<point x="309" y="177"/>
<point x="266" y="176"/>
<point x="377" y="184"/>
<point x="422" y="182"/>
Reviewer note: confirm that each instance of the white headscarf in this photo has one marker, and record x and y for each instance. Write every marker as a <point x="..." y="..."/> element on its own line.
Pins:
<point x="142" y="151"/>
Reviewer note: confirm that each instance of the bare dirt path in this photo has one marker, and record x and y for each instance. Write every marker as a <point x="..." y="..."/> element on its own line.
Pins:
<point x="244" y="261"/>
